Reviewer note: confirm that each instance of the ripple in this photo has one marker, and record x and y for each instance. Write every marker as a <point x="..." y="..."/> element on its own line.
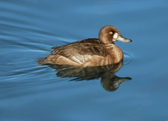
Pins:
<point x="128" y="58"/>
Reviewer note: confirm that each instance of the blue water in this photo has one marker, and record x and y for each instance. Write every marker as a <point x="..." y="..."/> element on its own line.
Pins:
<point x="29" y="92"/>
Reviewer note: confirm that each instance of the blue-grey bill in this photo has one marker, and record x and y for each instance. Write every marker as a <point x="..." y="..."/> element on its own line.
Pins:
<point x="123" y="39"/>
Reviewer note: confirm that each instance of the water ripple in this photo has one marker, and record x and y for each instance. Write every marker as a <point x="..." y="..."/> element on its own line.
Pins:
<point x="128" y="58"/>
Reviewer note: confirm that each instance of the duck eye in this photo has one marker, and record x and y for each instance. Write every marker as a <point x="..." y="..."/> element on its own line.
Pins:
<point x="110" y="33"/>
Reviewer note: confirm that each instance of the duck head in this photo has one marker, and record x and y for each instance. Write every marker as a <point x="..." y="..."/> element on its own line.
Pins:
<point x="109" y="34"/>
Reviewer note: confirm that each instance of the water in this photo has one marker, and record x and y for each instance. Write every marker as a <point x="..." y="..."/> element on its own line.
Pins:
<point x="28" y="30"/>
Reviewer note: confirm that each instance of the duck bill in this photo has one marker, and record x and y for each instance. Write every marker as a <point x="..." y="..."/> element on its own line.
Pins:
<point x="123" y="39"/>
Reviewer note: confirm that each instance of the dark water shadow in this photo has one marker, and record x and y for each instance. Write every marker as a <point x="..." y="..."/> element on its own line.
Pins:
<point x="109" y="80"/>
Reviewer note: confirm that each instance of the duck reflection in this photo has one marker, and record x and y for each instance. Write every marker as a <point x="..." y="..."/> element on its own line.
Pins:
<point x="109" y="80"/>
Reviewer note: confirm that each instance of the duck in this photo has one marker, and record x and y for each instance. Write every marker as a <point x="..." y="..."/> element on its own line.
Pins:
<point x="89" y="52"/>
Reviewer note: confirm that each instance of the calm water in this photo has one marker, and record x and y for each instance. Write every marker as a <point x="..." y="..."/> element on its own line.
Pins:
<point x="28" y="30"/>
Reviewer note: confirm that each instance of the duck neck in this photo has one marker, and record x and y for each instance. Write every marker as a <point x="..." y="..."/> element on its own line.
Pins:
<point x="114" y="51"/>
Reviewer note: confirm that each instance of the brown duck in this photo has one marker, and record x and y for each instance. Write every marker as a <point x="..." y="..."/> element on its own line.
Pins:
<point x="89" y="52"/>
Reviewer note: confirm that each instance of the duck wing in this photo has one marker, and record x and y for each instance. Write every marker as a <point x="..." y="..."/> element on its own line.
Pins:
<point x="79" y="48"/>
<point x="78" y="53"/>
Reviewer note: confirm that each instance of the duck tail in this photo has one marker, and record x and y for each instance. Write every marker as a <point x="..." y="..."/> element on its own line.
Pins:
<point x="42" y="61"/>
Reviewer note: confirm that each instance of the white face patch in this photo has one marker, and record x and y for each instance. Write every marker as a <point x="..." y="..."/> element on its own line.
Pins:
<point x="115" y="36"/>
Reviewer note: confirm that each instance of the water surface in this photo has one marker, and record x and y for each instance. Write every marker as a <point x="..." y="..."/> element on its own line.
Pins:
<point x="28" y="30"/>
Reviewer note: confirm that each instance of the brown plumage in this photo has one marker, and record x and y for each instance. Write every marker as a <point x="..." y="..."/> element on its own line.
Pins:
<point x="89" y="52"/>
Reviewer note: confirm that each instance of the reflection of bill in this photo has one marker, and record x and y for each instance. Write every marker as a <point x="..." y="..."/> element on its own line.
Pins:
<point x="109" y="80"/>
